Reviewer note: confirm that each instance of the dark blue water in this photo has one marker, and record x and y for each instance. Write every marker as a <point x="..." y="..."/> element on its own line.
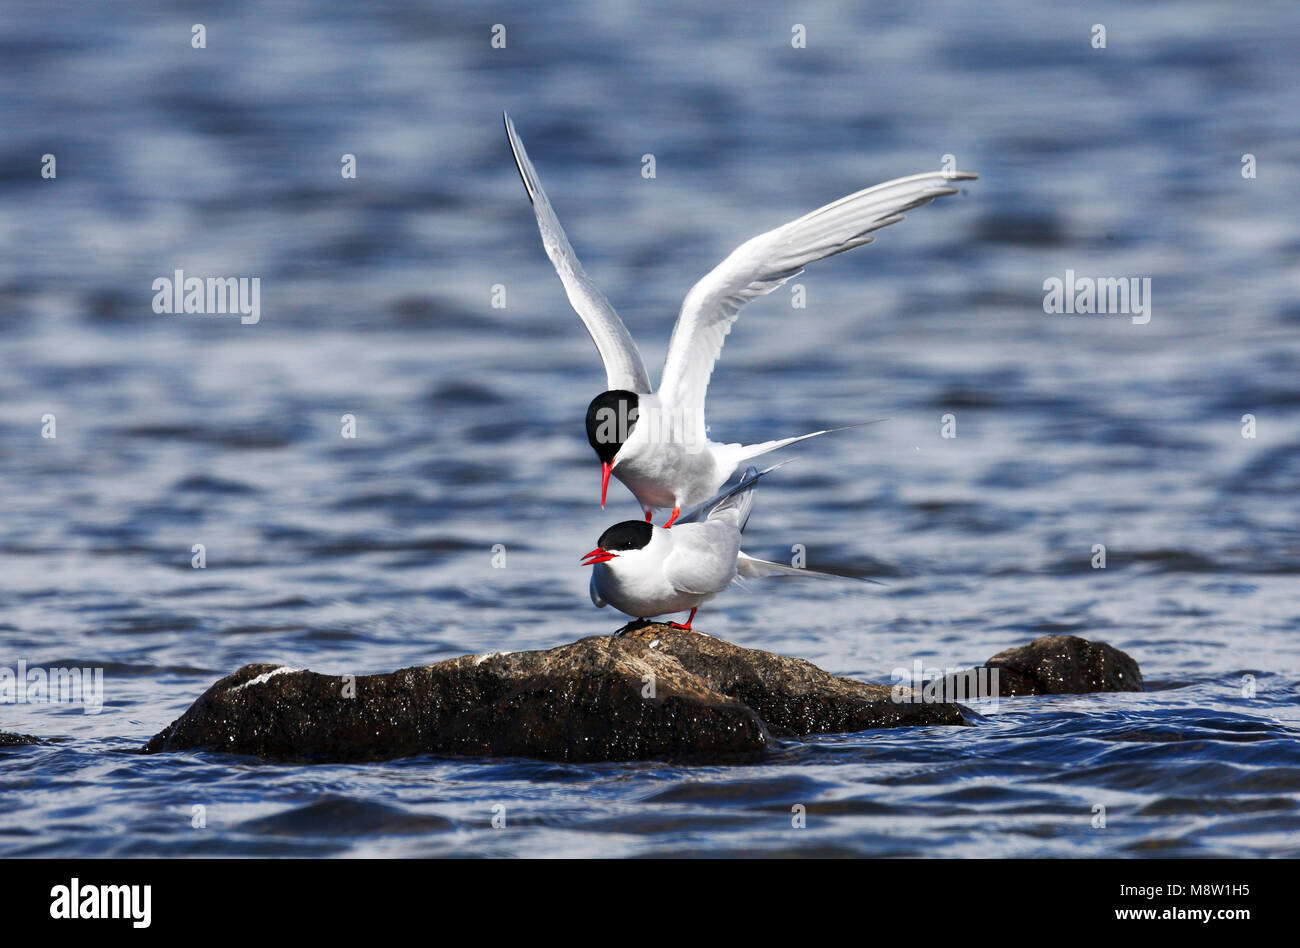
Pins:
<point x="364" y="555"/>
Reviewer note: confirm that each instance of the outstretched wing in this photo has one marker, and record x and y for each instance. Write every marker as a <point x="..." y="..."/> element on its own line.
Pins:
<point x="623" y="366"/>
<point x="760" y="265"/>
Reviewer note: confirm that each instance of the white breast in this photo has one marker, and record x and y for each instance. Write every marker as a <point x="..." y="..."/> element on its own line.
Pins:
<point x="661" y="469"/>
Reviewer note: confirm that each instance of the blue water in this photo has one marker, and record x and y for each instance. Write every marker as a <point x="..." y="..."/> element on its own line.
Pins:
<point x="365" y="555"/>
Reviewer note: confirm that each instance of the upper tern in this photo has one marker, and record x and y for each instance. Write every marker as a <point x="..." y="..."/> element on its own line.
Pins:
<point x="657" y="444"/>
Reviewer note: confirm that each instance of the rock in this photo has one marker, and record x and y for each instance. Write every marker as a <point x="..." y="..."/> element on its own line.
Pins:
<point x="1050" y="665"/>
<point x="792" y="696"/>
<point x="11" y="740"/>
<point x="1064" y="665"/>
<point x="578" y="702"/>
<point x="654" y="693"/>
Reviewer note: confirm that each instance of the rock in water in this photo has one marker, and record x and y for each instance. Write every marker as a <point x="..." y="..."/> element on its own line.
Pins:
<point x="792" y="696"/>
<point x="1064" y="665"/>
<point x="601" y="698"/>
<point x="654" y="693"/>
<point x="13" y="740"/>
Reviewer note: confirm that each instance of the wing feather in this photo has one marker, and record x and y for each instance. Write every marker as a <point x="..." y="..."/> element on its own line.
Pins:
<point x="623" y="366"/>
<point x="760" y="265"/>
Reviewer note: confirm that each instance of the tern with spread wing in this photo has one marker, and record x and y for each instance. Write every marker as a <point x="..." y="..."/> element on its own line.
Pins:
<point x="657" y="443"/>
<point x="644" y="571"/>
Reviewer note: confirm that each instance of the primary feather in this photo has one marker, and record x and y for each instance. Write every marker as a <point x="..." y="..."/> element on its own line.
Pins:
<point x="623" y="366"/>
<point x="762" y="264"/>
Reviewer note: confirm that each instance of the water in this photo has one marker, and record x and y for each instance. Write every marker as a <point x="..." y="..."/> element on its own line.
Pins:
<point x="361" y="556"/>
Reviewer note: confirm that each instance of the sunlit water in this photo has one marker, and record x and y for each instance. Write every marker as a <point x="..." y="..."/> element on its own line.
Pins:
<point x="364" y="555"/>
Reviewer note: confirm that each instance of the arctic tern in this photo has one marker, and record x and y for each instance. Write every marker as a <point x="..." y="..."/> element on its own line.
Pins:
<point x="657" y="443"/>
<point x="644" y="571"/>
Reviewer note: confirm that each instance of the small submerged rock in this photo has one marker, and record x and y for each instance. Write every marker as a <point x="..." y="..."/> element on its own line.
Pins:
<point x="653" y="693"/>
<point x="12" y="740"/>
<point x="1064" y="665"/>
<point x="1049" y="665"/>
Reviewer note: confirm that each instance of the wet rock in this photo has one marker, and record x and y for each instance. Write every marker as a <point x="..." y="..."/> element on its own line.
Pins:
<point x="1050" y="665"/>
<point x="10" y="740"/>
<point x="792" y="696"/>
<point x="579" y="702"/>
<point x="1064" y="665"/>
<point x="653" y="693"/>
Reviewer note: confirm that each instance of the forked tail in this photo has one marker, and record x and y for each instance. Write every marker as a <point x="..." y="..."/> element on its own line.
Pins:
<point x="752" y="567"/>
<point x="746" y="452"/>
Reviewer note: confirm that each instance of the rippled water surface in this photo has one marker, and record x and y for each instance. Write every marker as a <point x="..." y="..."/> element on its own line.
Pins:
<point x="364" y="555"/>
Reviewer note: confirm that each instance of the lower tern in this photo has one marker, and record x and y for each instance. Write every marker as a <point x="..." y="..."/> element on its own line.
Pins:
<point x="656" y="443"/>
<point x="644" y="571"/>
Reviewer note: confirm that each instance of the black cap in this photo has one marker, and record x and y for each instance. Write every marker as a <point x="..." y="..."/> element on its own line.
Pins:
<point x="611" y="416"/>
<point x="628" y="535"/>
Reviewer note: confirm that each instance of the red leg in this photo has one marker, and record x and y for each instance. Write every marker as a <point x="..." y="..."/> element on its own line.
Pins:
<point x="689" y="620"/>
<point x="677" y="511"/>
<point x="648" y="516"/>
